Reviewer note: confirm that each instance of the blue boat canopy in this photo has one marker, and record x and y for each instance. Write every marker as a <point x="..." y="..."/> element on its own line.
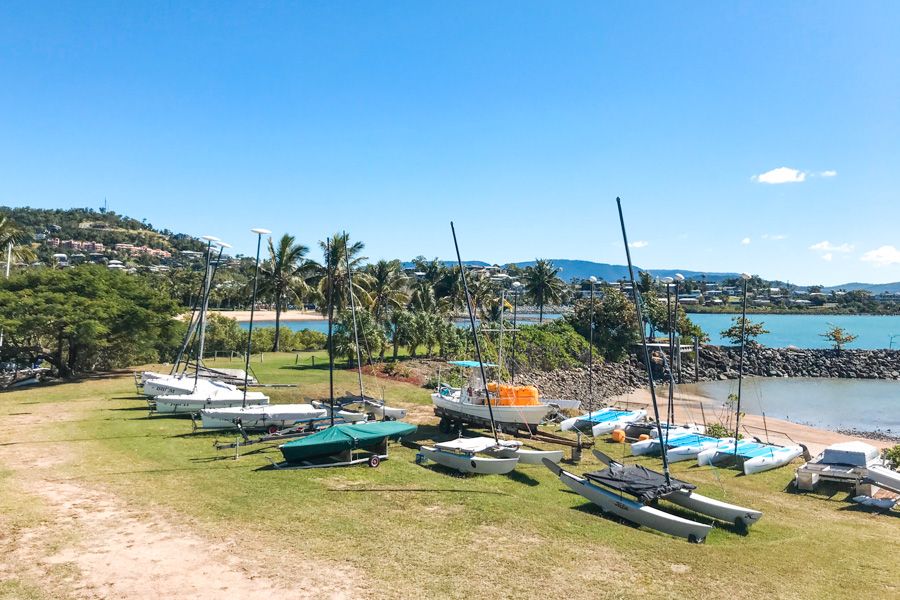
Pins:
<point x="470" y="364"/>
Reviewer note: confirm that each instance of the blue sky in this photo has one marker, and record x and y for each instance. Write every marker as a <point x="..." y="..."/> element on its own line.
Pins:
<point x="521" y="121"/>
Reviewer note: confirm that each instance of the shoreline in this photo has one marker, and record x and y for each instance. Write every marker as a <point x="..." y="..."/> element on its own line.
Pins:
<point x="243" y="316"/>
<point x="688" y="408"/>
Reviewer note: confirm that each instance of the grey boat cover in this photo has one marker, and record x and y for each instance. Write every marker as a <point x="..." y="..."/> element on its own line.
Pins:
<point x="638" y="481"/>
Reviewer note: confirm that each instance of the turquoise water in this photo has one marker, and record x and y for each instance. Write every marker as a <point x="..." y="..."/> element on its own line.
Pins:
<point x="322" y="325"/>
<point x="866" y="405"/>
<point x="804" y="331"/>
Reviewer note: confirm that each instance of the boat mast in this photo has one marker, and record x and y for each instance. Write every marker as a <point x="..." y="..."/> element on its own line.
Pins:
<point x="500" y="345"/>
<point x="330" y="276"/>
<point x="362" y="394"/>
<point x="259" y="233"/>
<point x="462" y="273"/>
<point x="203" y="306"/>
<point x="643" y="334"/>
<point x="737" y="412"/>
<point x="205" y="292"/>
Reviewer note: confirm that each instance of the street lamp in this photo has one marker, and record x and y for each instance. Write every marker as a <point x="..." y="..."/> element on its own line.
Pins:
<point x="259" y="233"/>
<point x="593" y="280"/>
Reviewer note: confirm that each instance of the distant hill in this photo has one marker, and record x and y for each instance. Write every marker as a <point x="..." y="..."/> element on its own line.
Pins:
<point x="87" y="224"/>
<point x="582" y="269"/>
<point x="874" y="288"/>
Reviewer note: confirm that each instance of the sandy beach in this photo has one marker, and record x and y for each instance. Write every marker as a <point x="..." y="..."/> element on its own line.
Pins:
<point x="242" y="316"/>
<point x="688" y="409"/>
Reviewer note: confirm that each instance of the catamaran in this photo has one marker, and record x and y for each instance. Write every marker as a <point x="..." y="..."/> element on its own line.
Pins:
<point x="192" y="403"/>
<point x="271" y="417"/>
<point x="606" y="487"/>
<point x="603" y="421"/>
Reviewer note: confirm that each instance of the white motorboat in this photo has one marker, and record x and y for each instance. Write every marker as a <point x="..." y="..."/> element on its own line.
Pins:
<point x="192" y="403"/>
<point x="271" y="417"/>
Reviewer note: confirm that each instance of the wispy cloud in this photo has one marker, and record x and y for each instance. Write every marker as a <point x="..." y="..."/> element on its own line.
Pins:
<point x="827" y="256"/>
<point x="639" y="244"/>
<point x="781" y="175"/>
<point x="826" y="246"/>
<point x="745" y="241"/>
<point x="883" y="256"/>
<point x="775" y="237"/>
<point x="828" y="173"/>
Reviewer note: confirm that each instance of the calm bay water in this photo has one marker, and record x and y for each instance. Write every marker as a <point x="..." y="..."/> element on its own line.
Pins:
<point x="866" y="405"/>
<point x="804" y="331"/>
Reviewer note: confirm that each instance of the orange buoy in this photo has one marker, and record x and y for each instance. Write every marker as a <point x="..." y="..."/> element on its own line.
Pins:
<point x="619" y="436"/>
<point x="643" y="437"/>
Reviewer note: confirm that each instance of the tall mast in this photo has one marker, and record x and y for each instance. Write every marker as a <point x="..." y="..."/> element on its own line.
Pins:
<point x="643" y="334"/>
<point x="328" y="269"/>
<point x="204" y="303"/>
<point x="362" y="393"/>
<point x="259" y="233"/>
<point x="737" y="412"/>
<point x="487" y="394"/>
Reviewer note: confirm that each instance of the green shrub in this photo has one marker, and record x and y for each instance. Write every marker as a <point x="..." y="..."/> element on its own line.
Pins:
<point x="892" y="456"/>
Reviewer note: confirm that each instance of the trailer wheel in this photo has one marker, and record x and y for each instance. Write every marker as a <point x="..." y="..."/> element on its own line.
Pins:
<point x="272" y="429"/>
<point x="374" y="461"/>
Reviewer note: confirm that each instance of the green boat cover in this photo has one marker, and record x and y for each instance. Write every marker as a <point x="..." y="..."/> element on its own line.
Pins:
<point x="344" y="437"/>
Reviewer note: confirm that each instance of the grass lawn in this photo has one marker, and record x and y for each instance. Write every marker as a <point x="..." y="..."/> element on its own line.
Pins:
<point x="413" y="530"/>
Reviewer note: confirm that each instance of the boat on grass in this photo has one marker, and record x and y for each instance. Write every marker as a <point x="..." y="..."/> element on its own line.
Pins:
<point x="603" y="421"/>
<point x="193" y="403"/>
<point x="752" y="457"/>
<point x="485" y="455"/>
<point x="269" y="417"/>
<point x="343" y="445"/>
<point x="682" y="443"/>
<point x="607" y="488"/>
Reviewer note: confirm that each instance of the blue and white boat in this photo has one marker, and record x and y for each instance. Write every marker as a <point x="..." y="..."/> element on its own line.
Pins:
<point x="681" y="444"/>
<point x="603" y="421"/>
<point x="755" y="457"/>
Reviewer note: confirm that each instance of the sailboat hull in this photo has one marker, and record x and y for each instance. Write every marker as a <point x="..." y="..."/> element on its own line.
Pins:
<point x="518" y="416"/>
<point x="625" y="508"/>
<point x="465" y="463"/>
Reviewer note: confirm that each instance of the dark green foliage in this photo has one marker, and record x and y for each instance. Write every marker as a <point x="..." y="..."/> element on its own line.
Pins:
<point x="553" y="345"/>
<point x="892" y="456"/>
<point x="86" y="318"/>
<point x="615" y="323"/>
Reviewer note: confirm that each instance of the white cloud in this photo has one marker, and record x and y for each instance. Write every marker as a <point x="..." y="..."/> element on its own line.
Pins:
<point x="826" y="246"/>
<point x="829" y="173"/>
<point x="774" y="237"/>
<point x="639" y="244"/>
<point x="883" y="256"/>
<point x="745" y="241"/>
<point x="781" y="175"/>
<point x="827" y="256"/>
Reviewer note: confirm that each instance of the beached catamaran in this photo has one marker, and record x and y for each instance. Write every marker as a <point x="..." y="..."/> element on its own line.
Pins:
<point x="607" y="487"/>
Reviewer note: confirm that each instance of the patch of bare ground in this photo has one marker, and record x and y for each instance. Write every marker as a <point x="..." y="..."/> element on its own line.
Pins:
<point x="89" y="543"/>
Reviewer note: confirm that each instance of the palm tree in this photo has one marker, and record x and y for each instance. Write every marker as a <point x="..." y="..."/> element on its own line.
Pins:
<point x="337" y="250"/>
<point x="543" y="285"/>
<point x="11" y="235"/>
<point x="285" y="277"/>
<point x="387" y="291"/>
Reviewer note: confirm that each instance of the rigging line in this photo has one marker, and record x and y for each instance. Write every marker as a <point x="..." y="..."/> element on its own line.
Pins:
<point x="362" y="393"/>
<point x="642" y="331"/>
<point x="462" y="273"/>
<point x="204" y="298"/>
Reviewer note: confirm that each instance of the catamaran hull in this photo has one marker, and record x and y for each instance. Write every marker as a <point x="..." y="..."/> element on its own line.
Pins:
<point x="530" y="415"/>
<point x="260" y="417"/>
<point x="621" y="423"/>
<point x="723" y="511"/>
<point x="688" y="452"/>
<point x="175" y="405"/>
<point x="481" y="465"/>
<point x="779" y="458"/>
<point x="630" y="510"/>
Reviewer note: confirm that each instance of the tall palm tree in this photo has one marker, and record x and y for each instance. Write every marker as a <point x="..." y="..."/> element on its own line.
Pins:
<point x="388" y="292"/>
<point x="337" y="249"/>
<point x="543" y="285"/>
<point x="285" y="277"/>
<point x="386" y="285"/>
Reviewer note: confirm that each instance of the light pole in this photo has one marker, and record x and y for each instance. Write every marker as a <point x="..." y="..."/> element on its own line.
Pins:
<point x="593" y="280"/>
<point x="259" y="233"/>
<point x="512" y="368"/>
<point x="737" y="414"/>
